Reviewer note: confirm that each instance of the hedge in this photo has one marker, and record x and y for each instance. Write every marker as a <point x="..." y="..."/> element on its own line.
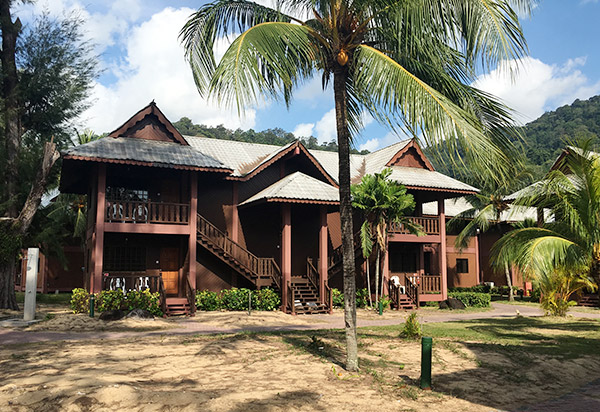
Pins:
<point x="116" y="300"/>
<point x="362" y="298"/>
<point x="237" y="299"/>
<point x="472" y="299"/>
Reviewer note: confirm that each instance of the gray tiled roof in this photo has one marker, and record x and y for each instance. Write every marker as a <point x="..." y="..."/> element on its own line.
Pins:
<point x="298" y="186"/>
<point x="415" y="177"/>
<point x="164" y="154"/>
<point x="454" y="207"/>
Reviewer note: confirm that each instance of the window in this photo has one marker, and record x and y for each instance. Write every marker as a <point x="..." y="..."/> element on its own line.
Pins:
<point x="124" y="258"/>
<point x="462" y="265"/>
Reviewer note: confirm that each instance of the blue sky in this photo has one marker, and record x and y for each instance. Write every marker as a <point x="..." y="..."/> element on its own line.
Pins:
<point x="142" y="60"/>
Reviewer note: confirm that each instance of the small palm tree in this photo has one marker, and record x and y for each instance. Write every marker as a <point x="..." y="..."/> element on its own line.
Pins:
<point x="567" y="249"/>
<point x="408" y="63"/>
<point x="489" y="209"/>
<point x="383" y="202"/>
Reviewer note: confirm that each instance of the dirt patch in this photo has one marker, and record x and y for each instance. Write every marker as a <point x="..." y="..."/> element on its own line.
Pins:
<point x="256" y="318"/>
<point x="287" y="372"/>
<point x="69" y="322"/>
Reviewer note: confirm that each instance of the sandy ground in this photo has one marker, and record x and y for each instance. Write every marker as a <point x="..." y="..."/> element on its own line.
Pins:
<point x="252" y="372"/>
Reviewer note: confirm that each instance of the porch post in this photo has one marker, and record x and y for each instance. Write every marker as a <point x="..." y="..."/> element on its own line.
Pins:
<point x="235" y="219"/>
<point x="193" y="228"/>
<point x="443" y="257"/>
<point x="323" y="253"/>
<point x="96" y="281"/>
<point x="421" y="259"/>
<point x="286" y="253"/>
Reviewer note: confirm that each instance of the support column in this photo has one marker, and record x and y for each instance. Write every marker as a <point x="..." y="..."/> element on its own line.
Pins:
<point x="193" y="228"/>
<point x="96" y="281"/>
<point x="323" y="259"/>
<point x="421" y="259"/>
<point x="477" y="267"/>
<point x="286" y="253"/>
<point x="235" y="219"/>
<point x="443" y="254"/>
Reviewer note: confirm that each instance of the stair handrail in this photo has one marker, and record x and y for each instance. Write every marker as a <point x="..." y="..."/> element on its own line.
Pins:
<point x="329" y="297"/>
<point x="412" y="289"/>
<point x="190" y="294"/>
<point x="162" y="295"/>
<point x="256" y="266"/>
<point x="313" y="275"/>
<point x="394" y="294"/>
<point x="291" y="298"/>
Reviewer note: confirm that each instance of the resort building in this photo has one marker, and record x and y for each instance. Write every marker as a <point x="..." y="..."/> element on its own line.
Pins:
<point x="178" y="214"/>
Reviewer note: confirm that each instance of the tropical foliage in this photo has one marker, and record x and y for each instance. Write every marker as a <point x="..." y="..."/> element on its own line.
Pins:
<point x="409" y="64"/>
<point x="563" y="256"/>
<point x="382" y="202"/>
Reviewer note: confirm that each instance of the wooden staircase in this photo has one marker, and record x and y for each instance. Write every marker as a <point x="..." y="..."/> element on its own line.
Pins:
<point x="306" y="297"/>
<point x="177" y="306"/>
<point x="405" y="303"/>
<point x="589" y="300"/>
<point x="262" y="272"/>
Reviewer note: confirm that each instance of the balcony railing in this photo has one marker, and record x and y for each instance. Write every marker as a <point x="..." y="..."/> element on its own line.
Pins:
<point x="430" y="225"/>
<point x="147" y="212"/>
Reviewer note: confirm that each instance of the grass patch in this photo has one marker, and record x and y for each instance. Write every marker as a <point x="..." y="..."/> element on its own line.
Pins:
<point x="60" y="298"/>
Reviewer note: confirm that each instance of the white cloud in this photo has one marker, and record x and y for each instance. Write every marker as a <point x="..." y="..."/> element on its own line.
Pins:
<point x="538" y="87"/>
<point x="326" y="128"/>
<point x="304" y="130"/>
<point x="154" y="68"/>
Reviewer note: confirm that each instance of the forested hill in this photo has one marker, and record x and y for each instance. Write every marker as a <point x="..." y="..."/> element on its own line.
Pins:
<point x="277" y="136"/>
<point x="546" y="136"/>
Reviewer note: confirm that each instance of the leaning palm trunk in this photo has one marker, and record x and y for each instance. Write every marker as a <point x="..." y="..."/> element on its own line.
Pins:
<point x="369" y="284"/>
<point x="511" y="296"/>
<point x="377" y="266"/>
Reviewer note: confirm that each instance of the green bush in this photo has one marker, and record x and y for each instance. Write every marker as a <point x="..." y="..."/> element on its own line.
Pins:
<point x="472" y="299"/>
<point x="80" y="301"/>
<point x="235" y="299"/>
<point x="143" y="300"/>
<point x="412" y="327"/>
<point x="110" y="300"/>
<point x="337" y="298"/>
<point x="476" y="289"/>
<point x="265" y="299"/>
<point x="208" y="300"/>
<point x="362" y="298"/>
<point x="385" y="302"/>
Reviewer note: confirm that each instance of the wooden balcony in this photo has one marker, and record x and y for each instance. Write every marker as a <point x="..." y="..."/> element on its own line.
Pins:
<point x="430" y="225"/>
<point x="147" y="212"/>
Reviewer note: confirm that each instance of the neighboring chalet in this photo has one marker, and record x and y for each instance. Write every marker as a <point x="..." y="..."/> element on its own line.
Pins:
<point x="179" y="214"/>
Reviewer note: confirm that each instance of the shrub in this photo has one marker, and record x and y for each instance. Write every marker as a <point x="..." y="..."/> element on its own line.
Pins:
<point x="476" y="289"/>
<point x="472" y="299"/>
<point x="412" y="327"/>
<point x="362" y="298"/>
<point x="80" y="301"/>
<point x="143" y="300"/>
<point x="385" y="302"/>
<point x="235" y="299"/>
<point x="208" y="300"/>
<point x="337" y="298"/>
<point x="110" y="300"/>
<point x="265" y="299"/>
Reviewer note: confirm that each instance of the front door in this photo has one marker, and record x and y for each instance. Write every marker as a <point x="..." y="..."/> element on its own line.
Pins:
<point x="169" y="266"/>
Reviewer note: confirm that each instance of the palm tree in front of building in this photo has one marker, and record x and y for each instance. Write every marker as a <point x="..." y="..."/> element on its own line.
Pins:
<point x="407" y="63"/>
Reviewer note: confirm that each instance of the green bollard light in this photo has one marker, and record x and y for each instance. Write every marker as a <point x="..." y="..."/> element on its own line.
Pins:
<point x="92" y="299"/>
<point x="426" y="344"/>
<point x="380" y="308"/>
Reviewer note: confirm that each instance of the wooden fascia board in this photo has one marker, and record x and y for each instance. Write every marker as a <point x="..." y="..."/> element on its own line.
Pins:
<point x="146" y="164"/>
<point x="305" y="201"/>
<point x="413" y="144"/>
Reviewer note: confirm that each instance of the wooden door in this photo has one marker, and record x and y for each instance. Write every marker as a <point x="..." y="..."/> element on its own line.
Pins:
<point x="169" y="266"/>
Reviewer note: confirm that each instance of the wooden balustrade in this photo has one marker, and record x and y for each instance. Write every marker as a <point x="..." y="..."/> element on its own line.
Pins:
<point x="430" y="225"/>
<point x="312" y="274"/>
<point x="131" y="281"/>
<point x="412" y="289"/>
<point x="291" y="298"/>
<point x="429" y="284"/>
<point x="190" y="294"/>
<point x="257" y="267"/>
<point x="147" y="212"/>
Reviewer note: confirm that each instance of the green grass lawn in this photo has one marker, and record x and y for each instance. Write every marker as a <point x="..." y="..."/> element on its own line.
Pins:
<point x="61" y="298"/>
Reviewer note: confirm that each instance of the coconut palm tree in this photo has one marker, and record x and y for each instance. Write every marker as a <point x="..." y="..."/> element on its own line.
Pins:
<point x="408" y="63"/>
<point x="383" y="202"/>
<point x="563" y="255"/>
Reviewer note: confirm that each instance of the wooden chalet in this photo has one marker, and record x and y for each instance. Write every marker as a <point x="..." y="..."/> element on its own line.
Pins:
<point x="178" y="214"/>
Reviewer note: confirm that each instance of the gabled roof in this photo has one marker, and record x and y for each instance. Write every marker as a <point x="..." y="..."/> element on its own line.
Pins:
<point x="454" y="207"/>
<point x="144" y="153"/>
<point x="149" y="124"/>
<point x="297" y="187"/>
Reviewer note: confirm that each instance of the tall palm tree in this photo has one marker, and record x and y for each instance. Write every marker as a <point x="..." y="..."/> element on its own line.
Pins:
<point x="568" y="247"/>
<point x="382" y="201"/>
<point x="490" y="208"/>
<point x="408" y="63"/>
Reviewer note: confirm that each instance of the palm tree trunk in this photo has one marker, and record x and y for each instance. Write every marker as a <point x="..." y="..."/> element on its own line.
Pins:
<point x="343" y="135"/>
<point x="377" y="266"/>
<point x="369" y="283"/>
<point x="511" y="296"/>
